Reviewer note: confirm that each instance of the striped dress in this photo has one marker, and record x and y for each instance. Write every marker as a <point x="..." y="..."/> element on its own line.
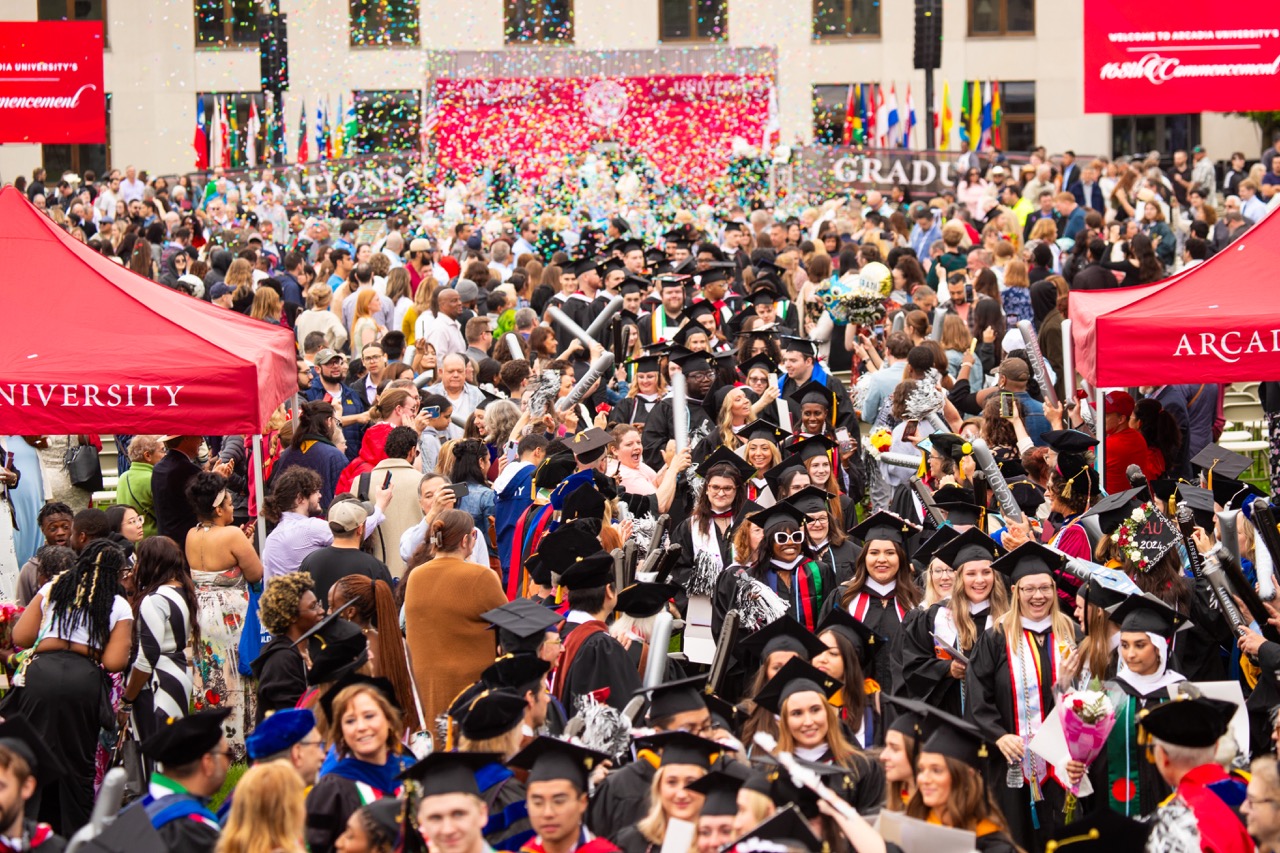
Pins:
<point x="164" y="628"/>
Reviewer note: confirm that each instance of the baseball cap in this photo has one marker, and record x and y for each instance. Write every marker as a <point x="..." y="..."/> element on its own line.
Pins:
<point x="1119" y="402"/>
<point x="327" y="355"/>
<point x="219" y="290"/>
<point x="346" y="516"/>
<point x="418" y="244"/>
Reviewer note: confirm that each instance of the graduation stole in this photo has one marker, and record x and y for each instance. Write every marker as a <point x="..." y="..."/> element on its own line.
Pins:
<point x="577" y="637"/>
<point x="532" y="525"/>
<point x="1026" y="674"/>
<point x="862" y="602"/>
<point x="369" y="794"/>
<point x="657" y="324"/>
<point x="807" y="592"/>
<point x="1122" y="772"/>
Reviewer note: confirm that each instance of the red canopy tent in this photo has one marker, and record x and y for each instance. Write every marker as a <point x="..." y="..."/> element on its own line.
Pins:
<point x="89" y="346"/>
<point x="1216" y="322"/>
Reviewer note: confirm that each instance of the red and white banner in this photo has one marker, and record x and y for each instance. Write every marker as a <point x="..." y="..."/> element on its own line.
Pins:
<point x="1160" y="57"/>
<point x="685" y="125"/>
<point x="51" y="87"/>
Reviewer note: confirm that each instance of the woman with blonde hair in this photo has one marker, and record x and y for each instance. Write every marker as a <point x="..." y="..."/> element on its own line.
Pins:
<point x="1010" y="688"/>
<point x="268" y="813"/>
<point x="364" y="326"/>
<point x="1016" y="298"/>
<point x="266" y="306"/>
<point x="398" y="295"/>
<point x="956" y="341"/>
<point x="240" y="279"/>
<point x="685" y="758"/>
<point x="418" y="317"/>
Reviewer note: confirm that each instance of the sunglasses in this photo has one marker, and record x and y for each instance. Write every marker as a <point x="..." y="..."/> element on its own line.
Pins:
<point x="782" y="537"/>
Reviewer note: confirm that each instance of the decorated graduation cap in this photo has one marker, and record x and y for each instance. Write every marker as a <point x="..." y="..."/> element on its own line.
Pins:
<point x="968" y="547"/>
<point x="675" y="697"/>
<point x="182" y="740"/>
<point x="680" y="747"/>
<point x="804" y="346"/>
<point x="550" y="759"/>
<point x="950" y="445"/>
<point x="812" y="447"/>
<point x="724" y="456"/>
<point x="514" y="672"/>
<point x="929" y="548"/>
<point x="864" y="641"/>
<point x="590" y="572"/>
<point x="1147" y="613"/>
<point x="778" y="514"/>
<point x="796" y="676"/>
<point x="764" y="430"/>
<point x="642" y="599"/>
<point x="783" y="634"/>
<point x="1187" y="721"/>
<point x="1215" y="460"/>
<point x="720" y="788"/>
<point x="885" y="526"/>
<point x="761" y="361"/>
<point x="1102" y="831"/>
<point x="524" y="617"/>
<point x="1114" y="508"/>
<point x="1029" y="558"/>
<point x="957" y="738"/>
<point x="493" y="714"/>
<point x="811" y="499"/>
<point x="1232" y="493"/>
<point x="19" y="737"/>
<point x="589" y="445"/>
<point x="450" y="772"/>
<point x="276" y="733"/>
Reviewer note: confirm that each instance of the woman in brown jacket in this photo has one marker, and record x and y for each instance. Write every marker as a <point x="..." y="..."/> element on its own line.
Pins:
<point x="449" y="643"/>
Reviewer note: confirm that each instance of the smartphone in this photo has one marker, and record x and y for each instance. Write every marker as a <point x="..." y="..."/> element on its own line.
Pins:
<point x="909" y="430"/>
<point x="846" y="443"/>
<point x="1006" y="404"/>
<point x="432" y="411"/>
<point x="968" y="293"/>
<point x="879" y="331"/>
<point x="459" y="490"/>
<point x="386" y="481"/>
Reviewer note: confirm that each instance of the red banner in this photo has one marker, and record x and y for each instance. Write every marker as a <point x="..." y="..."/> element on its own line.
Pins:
<point x="51" y="82"/>
<point x="1160" y="57"/>
<point x="685" y="125"/>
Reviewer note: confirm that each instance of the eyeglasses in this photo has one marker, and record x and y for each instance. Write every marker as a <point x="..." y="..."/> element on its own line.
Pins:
<point x="782" y="537"/>
<point x="942" y="570"/>
<point x="817" y="519"/>
<point x="1033" y="591"/>
<point x="317" y="742"/>
<point x="722" y="489"/>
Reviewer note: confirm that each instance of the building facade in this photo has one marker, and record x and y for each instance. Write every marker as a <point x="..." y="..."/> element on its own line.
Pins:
<point x="162" y="55"/>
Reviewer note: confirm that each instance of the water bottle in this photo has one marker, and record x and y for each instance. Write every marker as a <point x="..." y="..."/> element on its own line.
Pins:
<point x="1014" y="778"/>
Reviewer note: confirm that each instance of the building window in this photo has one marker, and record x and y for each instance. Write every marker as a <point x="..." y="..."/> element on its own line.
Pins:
<point x="73" y="10"/>
<point x="1002" y="17"/>
<point x="846" y="18"/>
<point x="1140" y="134"/>
<point x="226" y="23"/>
<point x="57" y="159"/>
<point x="387" y="121"/>
<point x="693" y="20"/>
<point x="384" y="23"/>
<point x="539" y="21"/>
<point x="237" y="114"/>
<point x="1018" y="116"/>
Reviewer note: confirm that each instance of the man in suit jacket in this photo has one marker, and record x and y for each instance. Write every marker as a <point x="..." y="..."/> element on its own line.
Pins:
<point x="1070" y="170"/>
<point x="1087" y="191"/>
<point x="174" y="514"/>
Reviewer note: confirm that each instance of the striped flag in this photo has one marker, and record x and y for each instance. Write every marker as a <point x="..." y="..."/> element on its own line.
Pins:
<point x="948" y="120"/>
<point x="201" y="141"/>
<point x="882" y="119"/>
<point x="986" y="115"/>
<point x="304" y="152"/>
<point x="997" y="116"/>
<point x="909" y="120"/>
<point x="850" y="110"/>
<point x="869" y="115"/>
<point x="965" y="109"/>
<point x="975" y="117"/>
<point x="322" y="152"/>
<point x="893" y="121"/>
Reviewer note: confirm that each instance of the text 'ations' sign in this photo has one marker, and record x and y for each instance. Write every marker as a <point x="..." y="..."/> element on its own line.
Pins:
<point x="1157" y="56"/>
<point x="51" y="87"/>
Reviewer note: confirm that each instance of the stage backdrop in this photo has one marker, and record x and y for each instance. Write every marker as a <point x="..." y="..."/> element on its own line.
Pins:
<point x="1154" y="56"/>
<point x="684" y="124"/>
<point x="51" y="82"/>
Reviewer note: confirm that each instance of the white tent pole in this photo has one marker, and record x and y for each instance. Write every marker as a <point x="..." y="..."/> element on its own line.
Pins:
<point x="1068" y="365"/>
<point x="1100" y="429"/>
<point x="260" y="529"/>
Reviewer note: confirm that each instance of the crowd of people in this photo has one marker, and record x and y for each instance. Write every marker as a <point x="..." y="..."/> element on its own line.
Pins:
<point x="575" y="540"/>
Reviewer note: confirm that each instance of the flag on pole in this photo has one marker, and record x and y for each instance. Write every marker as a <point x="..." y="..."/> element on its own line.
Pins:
<point x="349" y="129"/>
<point x="869" y="123"/>
<point x="304" y="152"/>
<point x="986" y="115"/>
<point x="321" y="148"/>
<point x="910" y="120"/>
<point x="251" y="129"/>
<point x="997" y="117"/>
<point x="850" y="111"/>
<point x="947" y="120"/>
<point x="215" y="135"/>
<point x="865" y="117"/>
<point x="330" y="130"/>
<point x="233" y="150"/>
<point x="201" y="141"/>
<point x="882" y="118"/>
<point x="965" y="109"/>
<point x="893" y="122"/>
<point x="339" y="141"/>
<point x="975" y="117"/>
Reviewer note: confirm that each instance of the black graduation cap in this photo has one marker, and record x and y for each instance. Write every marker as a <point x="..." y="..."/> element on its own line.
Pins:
<point x="1187" y="721"/>
<point x="692" y="362"/>
<point x="1029" y="558"/>
<point x="1145" y="612"/>
<point x="969" y="546"/>
<point x="1173" y="492"/>
<point x="1100" y="594"/>
<point x="675" y="697"/>
<point x="787" y="830"/>
<point x="337" y="659"/>
<point x="796" y="676"/>
<point x="1231" y="493"/>
<point x="957" y="738"/>
<point x="884" y="525"/>
<point x="804" y="346"/>
<point x="929" y="548"/>
<point x="690" y="330"/>
<point x="724" y="715"/>
<point x="611" y="265"/>
<point x="450" y="772"/>
<point x="1115" y="508"/>
<point x="963" y="512"/>
<point x="589" y="443"/>
<point x="724" y="456"/>
<point x="584" y="265"/>
<point x="812" y="447"/>
<point x="554" y="469"/>
<point x="813" y="392"/>
<point x="1069" y="440"/>
<point x="182" y="740"/>
<point x="721" y="792"/>
<point x="680" y="747"/>
<point x="768" y="268"/>
<point x="811" y="499"/>
<point x="1215" y="460"/>
<point x="914" y="721"/>
<point x="702" y="308"/>
<point x="645" y="363"/>
<point x="634" y="284"/>
<point x="714" y="274"/>
<point x="777" y="514"/>
<point x="524" y="617"/>
<point x="761" y="360"/>
<point x="514" y="672"/>
<point x="589" y="572"/>
<point x="643" y="599"/>
<point x="763" y="429"/>
<point x="382" y="685"/>
<point x="549" y="759"/>
<point x="863" y="639"/>
<point x="18" y="736"/>
<point x="783" y="634"/>
<point x="326" y="630"/>
<point x="583" y="502"/>
<point x="950" y="445"/>
<point x="654" y="255"/>
<point x="1077" y="474"/>
<point x="493" y="714"/>
<point x="952" y="493"/>
<point x="1102" y="831"/>
<point x="566" y="545"/>
<point x="678" y="232"/>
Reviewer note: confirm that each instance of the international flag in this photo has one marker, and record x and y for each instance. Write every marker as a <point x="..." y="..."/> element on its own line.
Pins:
<point x="251" y="130"/>
<point x="339" y="141"/>
<point x="233" y="149"/>
<point x="201" y="141"/>
<point x="850" y="114"/>
<point x="947" y="120"/>
<point x="322" y="148"/>
<point x="224" y="136"/>
<point x="882" y="119"/>
<point x="986" y="115"/>
<point x="997" y="117"/>
<point x="869" y="121"/>
<point x="892" y="123"/>
<point x="975" y="118"/>
<point x="965" y="109"/>
<point x="430" y="120"/>
<point x="910" y="119"/>
<point x="330" y="131"/>
<point x="215" y="135"/>
<point x="349" y="128"/>
<point x="866" y="114"/>
<point x="304" y="151"/>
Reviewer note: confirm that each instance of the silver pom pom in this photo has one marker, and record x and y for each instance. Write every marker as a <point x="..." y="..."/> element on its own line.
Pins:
<point x="927" y="398"/>
<point x="605" y="729"/>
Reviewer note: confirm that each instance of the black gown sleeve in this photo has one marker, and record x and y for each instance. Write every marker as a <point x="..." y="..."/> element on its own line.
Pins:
<point x="186" y="835"/>
<point x="658" y="430"/>
<point x="867" y="795"/>
<point x="927" y="677"/>
<point x="329" y="805"/>
<point x="602" y="662"/>
<point x="988" y="657"/>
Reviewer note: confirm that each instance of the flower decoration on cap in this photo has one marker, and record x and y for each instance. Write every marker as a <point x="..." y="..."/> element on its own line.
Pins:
<point x="1157" y="537"/>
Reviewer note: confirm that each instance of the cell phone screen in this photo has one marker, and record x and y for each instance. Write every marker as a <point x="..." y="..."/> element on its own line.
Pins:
<point x="386" y="481"/>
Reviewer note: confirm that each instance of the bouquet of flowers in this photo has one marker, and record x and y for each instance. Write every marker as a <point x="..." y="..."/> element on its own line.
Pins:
<point x="11" y="660"/>
<point x="855" y="298"/>
<point x="1087" y="719"/>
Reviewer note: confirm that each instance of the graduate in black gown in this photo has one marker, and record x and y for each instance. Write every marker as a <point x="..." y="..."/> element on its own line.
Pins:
<point x="647" y="388"/>
<point x="706" y="536"/>
<point x="660" y="426"/>
<point x="193" y="757"/>
<point x="1010" y="685"/>
<point x="978" y="597"/>
<point x="593" y="660"/>
<point x="831" y="545"/>
<point x="686" y="757"/>
<point x="883" y="590"/>
<point x="851" y="649"/>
